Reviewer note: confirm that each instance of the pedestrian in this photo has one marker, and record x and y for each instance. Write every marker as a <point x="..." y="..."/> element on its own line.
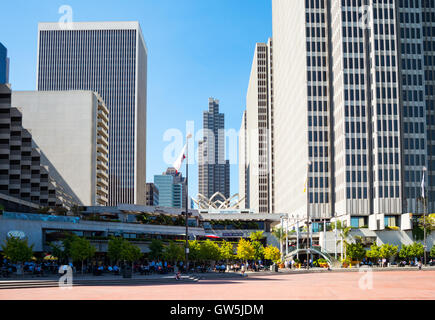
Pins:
<point x="420" y="264"/>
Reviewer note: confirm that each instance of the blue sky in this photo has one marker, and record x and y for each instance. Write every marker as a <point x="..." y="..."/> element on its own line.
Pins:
<point x="196" y="49"/>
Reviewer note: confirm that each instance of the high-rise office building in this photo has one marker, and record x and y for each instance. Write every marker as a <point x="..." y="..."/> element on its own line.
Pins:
<point x="243" y="165"/>
<point x="171" y="187"/>
<point x="26" y="183"/>
<point x="255" y="163"/>
<point x="72" y="130"/>
<point x="4" y="65"/>
<point x="213" y="169"/>
<point x="152" y="195"/>
<point x="109" y="58"/>
<point x="353" y="95"/>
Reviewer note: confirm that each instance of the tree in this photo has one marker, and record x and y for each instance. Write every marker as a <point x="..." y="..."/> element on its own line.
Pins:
<point x="245" y="250"/>
<point x="355" y="251"/>
<point x="416" y="250"/>
<point x="278" y="233"/>
<point x="209" y="251"/>
<point x="194" y="251"/>
<point x="257" y="236"/>
<point x="374" y="252"/>
<point x="388" y="251"/>
<point x="114" y="251"/>
<point x="344" y="233"/>
<point x="226" y="251"/>
<point x="17" y="250"/>
<point x="404" y="252"/>
<point x="432" y="252"/>
<point x="156" y="249"/>
<point x="81" y="250"/>
<point x="272" y="253"/>
<point x="258" y="250"/>
<point x="173" y="252"/>
<point x="129" y="252"/>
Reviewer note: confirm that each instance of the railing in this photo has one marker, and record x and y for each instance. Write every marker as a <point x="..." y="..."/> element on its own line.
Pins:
<point x="38" y="217"/>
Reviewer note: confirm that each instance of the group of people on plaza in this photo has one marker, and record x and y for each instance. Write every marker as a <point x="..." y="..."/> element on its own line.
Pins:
<point x="31" y="268"/>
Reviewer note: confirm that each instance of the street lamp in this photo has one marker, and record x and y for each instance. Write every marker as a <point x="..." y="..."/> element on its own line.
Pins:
<point x="308" y="214"/>
<point x="187" y="202"/>
<point x="425" y="202"/>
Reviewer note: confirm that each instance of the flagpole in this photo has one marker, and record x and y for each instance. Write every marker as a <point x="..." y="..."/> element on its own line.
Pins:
<point x="187" y="203"/>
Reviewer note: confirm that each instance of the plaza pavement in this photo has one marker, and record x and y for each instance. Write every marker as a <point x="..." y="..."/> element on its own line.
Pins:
<point x="297" y="285"/>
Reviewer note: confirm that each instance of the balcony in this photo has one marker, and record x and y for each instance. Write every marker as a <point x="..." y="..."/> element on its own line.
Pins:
<point x="102" y="148"/>
<point x="102" y="173"/>
<point x="103" y="115"/>
<point x="103" y="182"/>
<point x="101" y="139"/>
<point x="103" y="124"/>
<point x="102" y="199"/>
<point x="102" y="165"/>
<point x="102" y="156"/>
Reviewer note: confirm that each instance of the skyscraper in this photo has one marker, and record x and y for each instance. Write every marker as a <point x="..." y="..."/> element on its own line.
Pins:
<point x="171" y="188"/>
<point x="213" y="169"/>
<point x="255" y="139"/>
<point x="353" y="95"/>
<point x="4" y="65"/>
<point x="109" y="58"/>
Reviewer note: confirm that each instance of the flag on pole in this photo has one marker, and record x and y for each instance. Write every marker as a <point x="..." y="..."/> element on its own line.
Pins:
<point x="422" y="185"/>
<point x="305" y="186"/>
<point x="179" y="162"/>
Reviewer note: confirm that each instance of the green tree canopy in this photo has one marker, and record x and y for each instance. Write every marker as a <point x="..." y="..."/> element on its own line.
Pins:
<point x="432" y="252"/>
<point x="210" y="251"/>
<point x="156" y="249"/>
<point x="272" y="253"/>
<point x="355" y="251"/>
<point x="245" y="250"/>
<point x="278" y="233"/>
<point x="81" y="249"/>
<point x="257" y="236"/>
<point x="404" y="252"/>
<point x="416" y="250"/>
<point x="173" y="252"/>
<point x="226" y="250"/>
<point x="114" y="251"/>
<point x="17" y="250"/>
<point x="194" y="250"/>
<point x="129" y="252"/>
<point x="374" y="252"/>
<point x="258" y="250"/>
<point x="388" y="250"/>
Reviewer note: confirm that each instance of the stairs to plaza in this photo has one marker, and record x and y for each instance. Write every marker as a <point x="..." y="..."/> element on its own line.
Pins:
<point x="50" y="283"/>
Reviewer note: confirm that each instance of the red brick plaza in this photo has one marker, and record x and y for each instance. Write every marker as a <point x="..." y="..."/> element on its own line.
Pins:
<point x="331" y="286"/>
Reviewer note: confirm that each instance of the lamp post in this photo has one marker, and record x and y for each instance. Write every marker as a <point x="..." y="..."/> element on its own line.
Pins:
<point x="308" y="214"/>
<point x="425" y="202"/>
<point x="187" y="202"/>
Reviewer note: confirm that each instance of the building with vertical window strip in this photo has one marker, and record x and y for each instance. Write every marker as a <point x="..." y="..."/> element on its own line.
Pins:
<point x="109" y="58"/>
<point x="72" y="130"/>
<point x="353" y="94"/>
<point x="213" y="169"/>
<point x="255" y="163"/>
